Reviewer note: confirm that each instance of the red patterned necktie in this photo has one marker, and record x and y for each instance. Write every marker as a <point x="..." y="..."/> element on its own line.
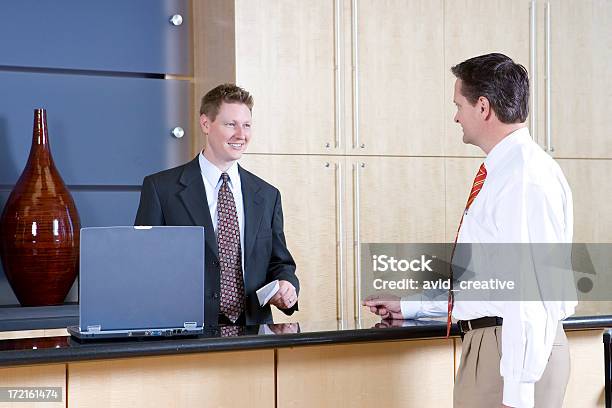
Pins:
<point x="230" y="256"/>
<point x="476" y="187"/>
<point x="232" y="331"/>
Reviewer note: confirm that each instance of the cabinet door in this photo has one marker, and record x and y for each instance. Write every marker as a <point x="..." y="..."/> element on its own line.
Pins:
<point x="396" y="200"/>
<point x="592" y="194"/>
<point x="416" y="374"/>
<point x="581" y="79"/>
<point x="102" y="130"/>
<point x="476" y="27"/>
<point x="113" y="35"/>
<point x="311" y="188"/>
<point x="285" y="57"/>
<point x="400" y="78"/>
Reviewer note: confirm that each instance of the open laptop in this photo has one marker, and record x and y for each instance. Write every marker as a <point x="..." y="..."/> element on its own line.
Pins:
<point x="140" y="282"/>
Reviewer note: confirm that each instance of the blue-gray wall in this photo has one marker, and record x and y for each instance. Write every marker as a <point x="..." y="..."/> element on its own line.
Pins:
<point x="98" y="68"/>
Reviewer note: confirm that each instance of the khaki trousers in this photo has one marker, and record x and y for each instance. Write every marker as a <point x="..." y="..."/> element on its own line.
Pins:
<point x="479" y="384"/>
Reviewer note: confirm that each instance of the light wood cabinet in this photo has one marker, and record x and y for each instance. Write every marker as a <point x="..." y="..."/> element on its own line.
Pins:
<point x="393" y="200"/>
<point x="365" y="86"/>
<point x="334" y="204"/>
<point x="401" y="199"/>
<point x="581" y="79"/>
<point x="393" y="374"/>
<point x="43" y="376"/>
<point x="284" y="53"/>
<point x="356" y="77"/>
<point x="229" y="379"/>
<point x="586" y="383"/>
<point x="399" y="88"/>
<point x="591" y="191"/>
<point x="311" y="189"/>
<point x="293" y="81"/>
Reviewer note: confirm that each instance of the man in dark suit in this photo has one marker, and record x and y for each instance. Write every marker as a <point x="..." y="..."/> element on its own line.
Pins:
<point x="241" y="214"/>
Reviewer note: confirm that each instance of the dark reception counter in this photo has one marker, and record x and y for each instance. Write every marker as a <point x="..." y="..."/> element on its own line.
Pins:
<point x="65" y="349"/>
<point x="359" y="364"/>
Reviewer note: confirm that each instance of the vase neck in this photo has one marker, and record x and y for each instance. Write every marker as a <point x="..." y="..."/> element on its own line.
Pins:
<point x="40" y="136"/>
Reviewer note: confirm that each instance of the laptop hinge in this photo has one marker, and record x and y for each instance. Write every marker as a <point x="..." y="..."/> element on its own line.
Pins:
<point x="190" y="325"/>
<point x="94" y="328"/>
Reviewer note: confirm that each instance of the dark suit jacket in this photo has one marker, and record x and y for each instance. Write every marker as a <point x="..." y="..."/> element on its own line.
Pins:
<point x="177" y="197"/>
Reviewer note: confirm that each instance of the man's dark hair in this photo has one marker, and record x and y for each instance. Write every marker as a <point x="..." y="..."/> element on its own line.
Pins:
<point x="228" y="93"/>
<point x="499" y="79"/>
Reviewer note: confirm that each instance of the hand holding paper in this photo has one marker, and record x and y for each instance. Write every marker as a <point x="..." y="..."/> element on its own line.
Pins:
<point x="265" y="293"/>
<point x="285" y="297"/>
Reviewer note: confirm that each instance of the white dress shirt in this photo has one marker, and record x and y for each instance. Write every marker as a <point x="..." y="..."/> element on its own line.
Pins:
<point x="211" y="175"/>
<point x="524" y="199"/>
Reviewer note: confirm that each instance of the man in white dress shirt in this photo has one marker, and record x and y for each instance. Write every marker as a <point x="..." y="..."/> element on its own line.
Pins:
<point x="514" y="353"/>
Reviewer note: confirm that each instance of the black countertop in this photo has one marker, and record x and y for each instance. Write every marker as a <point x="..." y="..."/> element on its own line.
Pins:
<point x="15" y="317"/>
<point x="64" y="348"/>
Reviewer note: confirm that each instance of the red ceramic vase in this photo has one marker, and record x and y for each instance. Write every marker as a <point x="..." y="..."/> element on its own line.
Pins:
<point x="39" y="228"/>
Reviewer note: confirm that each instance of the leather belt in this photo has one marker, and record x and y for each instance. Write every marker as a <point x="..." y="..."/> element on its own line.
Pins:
<point x="467" y="325"/>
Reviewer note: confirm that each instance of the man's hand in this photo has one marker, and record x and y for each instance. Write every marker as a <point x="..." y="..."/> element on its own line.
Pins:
<point x="386" y="306"/>
<point x="285" y="297"/>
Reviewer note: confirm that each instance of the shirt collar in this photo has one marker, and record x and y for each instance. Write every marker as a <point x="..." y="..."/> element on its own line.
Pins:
<point x="213" y="174"/>
<point x="498" y="152"/>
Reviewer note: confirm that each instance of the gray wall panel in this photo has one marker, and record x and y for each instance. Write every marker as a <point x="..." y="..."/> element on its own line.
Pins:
<point x="111" y="35"/>
<point x="102" y="130"/>
<point x="106" y="208"/>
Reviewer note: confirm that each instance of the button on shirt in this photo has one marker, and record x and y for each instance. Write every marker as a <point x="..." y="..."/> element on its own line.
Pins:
<point x="211" y="175"/>
<point x="524" y="199"/>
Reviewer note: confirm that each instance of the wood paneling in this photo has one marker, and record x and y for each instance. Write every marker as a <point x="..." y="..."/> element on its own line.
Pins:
<point x="581" y="79"/>
<point x="311" y="201"/>
<point x="285" y="57"/>
<point x="395" y="374"/>
<point x="233" y="379"/>
<point x="401" y="77"/>
<point x="44" y="376"/>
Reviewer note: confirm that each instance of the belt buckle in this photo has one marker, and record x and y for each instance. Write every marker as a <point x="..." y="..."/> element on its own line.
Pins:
<point x="469" y="323"/>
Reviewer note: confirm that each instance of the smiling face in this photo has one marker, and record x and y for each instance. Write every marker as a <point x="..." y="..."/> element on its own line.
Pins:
<point x="227" y="135"/>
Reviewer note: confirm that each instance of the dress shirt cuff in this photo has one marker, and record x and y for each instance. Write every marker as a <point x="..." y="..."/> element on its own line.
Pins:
<point x="410" y="307"/>
<point x="518" y="394"/>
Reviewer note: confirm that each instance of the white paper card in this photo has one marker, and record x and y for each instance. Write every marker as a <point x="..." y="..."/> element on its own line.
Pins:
<point x="265" y="293"/>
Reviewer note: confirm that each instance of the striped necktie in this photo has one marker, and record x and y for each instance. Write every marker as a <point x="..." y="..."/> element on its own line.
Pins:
<point x="476" y="187"/>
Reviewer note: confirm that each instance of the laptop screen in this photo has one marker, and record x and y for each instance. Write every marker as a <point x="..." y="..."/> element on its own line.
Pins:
<point x="141" y="277"/>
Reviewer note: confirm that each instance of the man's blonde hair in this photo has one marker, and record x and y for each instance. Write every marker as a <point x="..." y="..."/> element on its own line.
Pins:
<point x="228" y="93"/>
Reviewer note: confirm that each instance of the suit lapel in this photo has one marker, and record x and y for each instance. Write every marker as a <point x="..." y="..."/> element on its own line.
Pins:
<point x="195" y="201"/>
<point x="253" y="211"/>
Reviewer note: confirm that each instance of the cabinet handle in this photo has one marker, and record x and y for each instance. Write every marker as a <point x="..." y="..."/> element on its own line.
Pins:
<point x="549" y="146"/>
<point x="176" y="20"/>
<point x="178" y="132"/>
<point x="355" y="54"/>
<point x="337" y="71"/>
<point x="533" y="69"/>
<point x="356" y="238"/>
<point x="340" y="240"/>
